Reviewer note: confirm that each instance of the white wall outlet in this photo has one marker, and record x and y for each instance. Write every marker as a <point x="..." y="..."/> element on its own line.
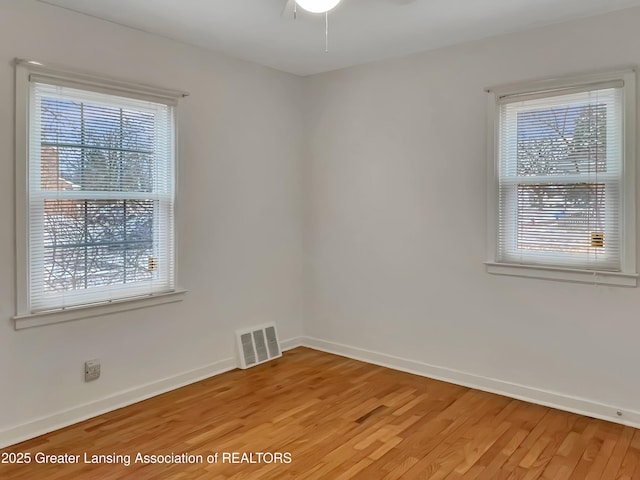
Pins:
<point x="91" y="370"/>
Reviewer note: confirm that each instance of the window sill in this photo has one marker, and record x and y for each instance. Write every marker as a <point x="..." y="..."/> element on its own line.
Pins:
<point x="564" y="274"/>
<point x="87" y="311"/>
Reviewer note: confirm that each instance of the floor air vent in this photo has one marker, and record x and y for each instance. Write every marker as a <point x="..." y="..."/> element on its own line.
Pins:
<point x="257" y="345"/>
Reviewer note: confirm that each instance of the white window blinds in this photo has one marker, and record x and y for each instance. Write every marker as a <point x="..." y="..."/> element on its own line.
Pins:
<point x="100" y="196"/>
<point x="560" y="178"/>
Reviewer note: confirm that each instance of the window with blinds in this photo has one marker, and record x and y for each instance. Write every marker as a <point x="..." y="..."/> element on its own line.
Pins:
<point x="100" y="196"/>
<point x="561" y="160"/>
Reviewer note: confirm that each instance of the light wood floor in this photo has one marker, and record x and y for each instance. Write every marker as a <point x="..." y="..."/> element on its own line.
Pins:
<point x="340" y="419"/>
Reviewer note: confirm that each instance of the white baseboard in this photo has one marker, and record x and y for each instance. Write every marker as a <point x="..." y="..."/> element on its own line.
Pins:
<point x="291" y="343"/>
<point x="79" y="413"/>
<point x="85" y="411"/>
<point x="560" y="401"/>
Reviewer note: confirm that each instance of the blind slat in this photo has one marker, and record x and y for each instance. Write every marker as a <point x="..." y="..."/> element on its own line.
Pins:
<point x="101" y="197"/>
<point x="560" y="179"/>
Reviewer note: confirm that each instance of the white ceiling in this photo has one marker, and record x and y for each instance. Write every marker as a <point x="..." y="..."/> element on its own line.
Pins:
<point x="360" y="31"/>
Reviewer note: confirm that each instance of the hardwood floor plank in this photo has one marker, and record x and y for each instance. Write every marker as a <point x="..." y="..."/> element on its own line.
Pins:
<point x="615" y="461"/>
<point x="338" y="419"/>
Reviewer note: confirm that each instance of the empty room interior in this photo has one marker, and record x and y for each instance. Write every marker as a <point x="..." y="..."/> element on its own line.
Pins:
<point x="319" y="239"/>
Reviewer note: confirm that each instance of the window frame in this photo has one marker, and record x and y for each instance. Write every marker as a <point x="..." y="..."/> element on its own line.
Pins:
<point x="627" y="276"/>
<point x="24" y="70"/>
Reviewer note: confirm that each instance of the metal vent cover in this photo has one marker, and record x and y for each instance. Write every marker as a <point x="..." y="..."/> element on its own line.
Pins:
<point x="257" y="345"/>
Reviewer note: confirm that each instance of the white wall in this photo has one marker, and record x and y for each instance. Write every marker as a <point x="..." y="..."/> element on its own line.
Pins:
<point x="239" y="221"/>
<point x="388" y="209"/>
<point x="396" y="226"/>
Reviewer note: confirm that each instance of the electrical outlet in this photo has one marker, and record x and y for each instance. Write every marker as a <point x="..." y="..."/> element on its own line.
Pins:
<point x="91" y="370"/>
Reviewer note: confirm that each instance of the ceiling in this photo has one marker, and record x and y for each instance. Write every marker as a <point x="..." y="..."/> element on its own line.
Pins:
<point x="360" y="31"/>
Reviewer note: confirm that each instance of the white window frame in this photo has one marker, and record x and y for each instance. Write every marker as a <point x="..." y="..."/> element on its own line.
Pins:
<point x="628" y="275"/>
<point x="25" y="317"/>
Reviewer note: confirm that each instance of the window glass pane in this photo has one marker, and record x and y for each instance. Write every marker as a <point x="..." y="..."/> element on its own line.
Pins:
<point x="91" y="243"/>
<point x="560" y="217"/>
<point x="562" y="140"/>
<point x="96" y="147"/>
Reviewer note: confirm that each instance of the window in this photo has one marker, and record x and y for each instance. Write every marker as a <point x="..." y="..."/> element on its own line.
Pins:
<point x="562" y="179"/>
<point x="96" y="193"/>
